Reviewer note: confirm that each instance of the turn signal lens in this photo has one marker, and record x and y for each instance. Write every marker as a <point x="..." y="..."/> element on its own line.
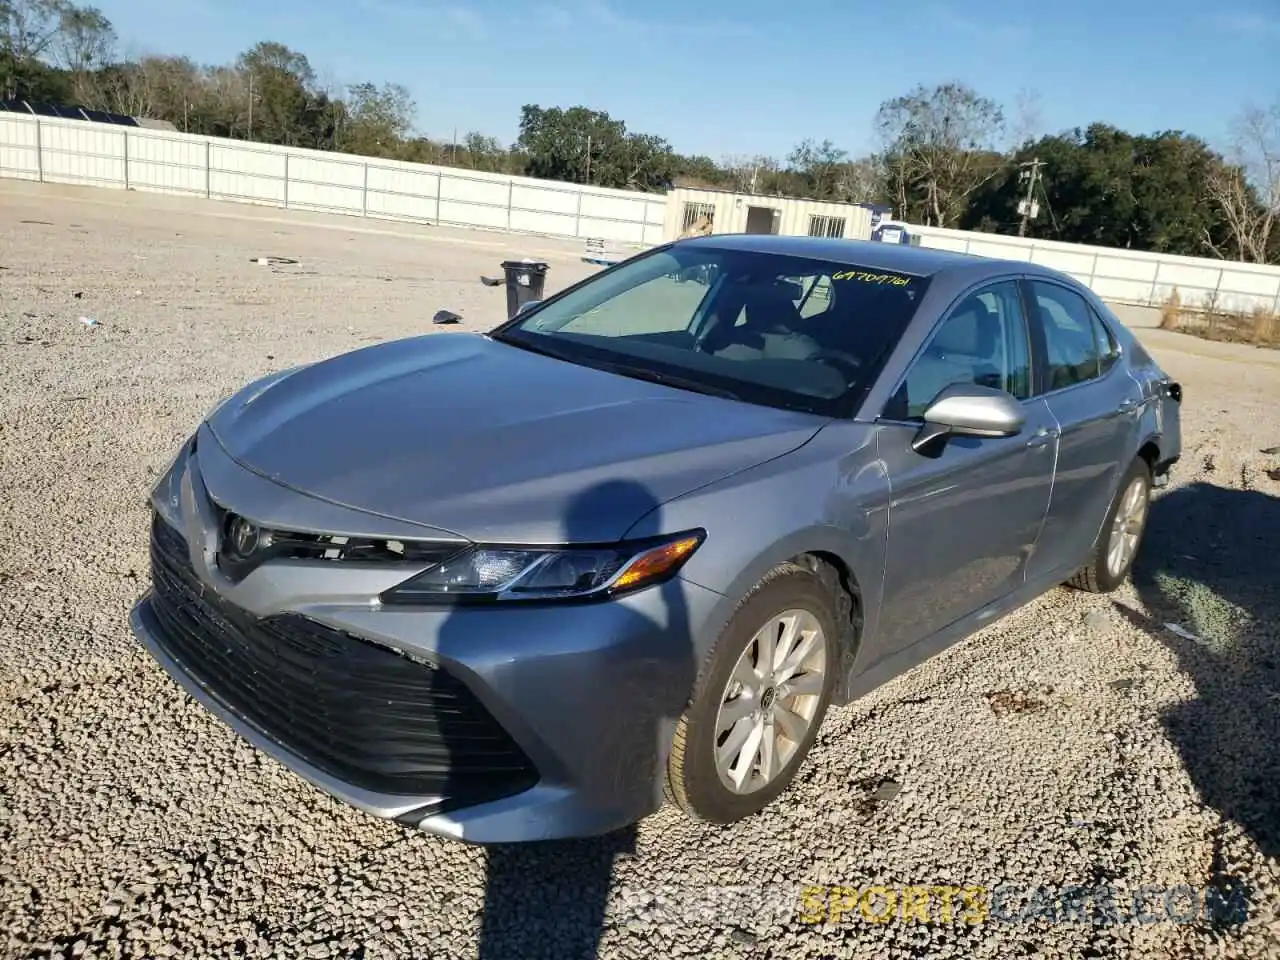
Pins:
<point x="656" y="563"/>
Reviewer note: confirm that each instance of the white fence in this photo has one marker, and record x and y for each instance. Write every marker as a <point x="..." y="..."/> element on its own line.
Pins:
<point x="1128" y="276"/>
<point x="56" y="150"/>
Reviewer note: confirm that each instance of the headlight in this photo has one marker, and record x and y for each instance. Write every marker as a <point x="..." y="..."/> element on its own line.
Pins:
<point x="500" y="573"/>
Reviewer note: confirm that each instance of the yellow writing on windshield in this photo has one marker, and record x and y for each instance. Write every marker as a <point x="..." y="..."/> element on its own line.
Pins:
<point x="863" y="277"/>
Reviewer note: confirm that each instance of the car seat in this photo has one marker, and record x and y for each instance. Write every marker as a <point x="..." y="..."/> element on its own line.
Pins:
<point x="964" y="350"/>
<point x="770" y="329"/>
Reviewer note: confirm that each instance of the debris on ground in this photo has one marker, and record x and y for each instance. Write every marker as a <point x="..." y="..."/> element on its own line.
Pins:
<point x="1004" y="702"/>
<point x="874" y="793"/>
<point x="1179" y="630"/>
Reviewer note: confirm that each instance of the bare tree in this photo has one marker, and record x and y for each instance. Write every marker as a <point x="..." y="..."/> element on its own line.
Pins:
<point x="332" y="91"/>
<point x="1028" y="123"/>
<point x="1246" y="189"/>
<point x="28" y="28"/>
<point x="821" y="167"/>
<point x="225" y="94"/>
<point x="859" y="181"/>
<point x="85" y="41"/>
<point x="940" y="145"/>
<point x="750" y="174"/>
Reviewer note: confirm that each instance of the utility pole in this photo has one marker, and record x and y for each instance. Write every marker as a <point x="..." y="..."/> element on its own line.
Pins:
<point x="588" y="158"/>
<point x="1028" y="207"/>
<point x="250" y="104"/>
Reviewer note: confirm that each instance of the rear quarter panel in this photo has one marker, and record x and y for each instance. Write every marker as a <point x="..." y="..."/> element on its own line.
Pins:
<point x="1161" y="421"/>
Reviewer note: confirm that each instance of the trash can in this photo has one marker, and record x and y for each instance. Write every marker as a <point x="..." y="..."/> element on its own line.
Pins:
<point x="525" y="282"/>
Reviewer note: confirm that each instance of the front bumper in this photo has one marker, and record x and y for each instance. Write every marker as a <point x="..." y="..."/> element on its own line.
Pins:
<point x="578" y="703"/>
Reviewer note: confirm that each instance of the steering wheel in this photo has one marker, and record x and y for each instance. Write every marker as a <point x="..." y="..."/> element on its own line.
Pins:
<point x="847" y="366"/>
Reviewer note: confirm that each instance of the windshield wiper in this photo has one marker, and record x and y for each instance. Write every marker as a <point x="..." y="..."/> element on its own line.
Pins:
<point x="622" y="369"/>
<point x="666" y="379"/>
<point x="541" y="348"/>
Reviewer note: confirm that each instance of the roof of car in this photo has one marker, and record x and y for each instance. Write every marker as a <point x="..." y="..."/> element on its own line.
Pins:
<point x="920" y="261"/>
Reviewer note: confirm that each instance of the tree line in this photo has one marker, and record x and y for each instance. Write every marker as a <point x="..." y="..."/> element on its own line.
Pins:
<point x="945" y="155"/>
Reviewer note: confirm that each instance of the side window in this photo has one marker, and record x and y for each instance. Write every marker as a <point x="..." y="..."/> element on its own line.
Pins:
<point x="1073" y="336"/>
<point x="983" y="341"/>
<point x="1108" y="349"/>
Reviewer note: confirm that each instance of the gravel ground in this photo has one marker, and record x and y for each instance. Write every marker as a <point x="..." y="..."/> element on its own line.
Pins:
<point x="1078" y="742"/>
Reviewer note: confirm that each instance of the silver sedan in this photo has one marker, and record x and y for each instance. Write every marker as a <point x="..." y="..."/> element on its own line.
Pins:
<point x="633" y="543"/>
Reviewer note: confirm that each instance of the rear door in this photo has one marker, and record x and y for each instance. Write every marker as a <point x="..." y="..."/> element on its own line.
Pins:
<point x="1096" y="406"/>
<point x="963" y="522"/>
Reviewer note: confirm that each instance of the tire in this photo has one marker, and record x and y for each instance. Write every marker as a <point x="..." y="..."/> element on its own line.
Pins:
<point x="694" y="780"/>
<point x="1098" y="575"/>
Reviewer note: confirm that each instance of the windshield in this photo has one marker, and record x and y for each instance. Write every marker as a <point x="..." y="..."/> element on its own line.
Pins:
<point x="785" y="331"/>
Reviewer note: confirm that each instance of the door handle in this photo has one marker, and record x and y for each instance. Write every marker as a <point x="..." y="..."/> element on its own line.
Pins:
<point x="1042" y="436"/>
<point x="1127" y="406"/>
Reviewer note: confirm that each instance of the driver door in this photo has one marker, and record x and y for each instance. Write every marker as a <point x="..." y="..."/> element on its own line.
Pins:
<point x="964" y="521"/>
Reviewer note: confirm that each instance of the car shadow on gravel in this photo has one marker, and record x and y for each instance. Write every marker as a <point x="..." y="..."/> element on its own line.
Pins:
<point x="549" y="898"/>
<point x="1210" y="566"/>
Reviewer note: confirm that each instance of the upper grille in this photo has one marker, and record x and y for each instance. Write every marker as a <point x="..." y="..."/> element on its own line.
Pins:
<point x="293" y="545"/>
<point x="362" y="713"/>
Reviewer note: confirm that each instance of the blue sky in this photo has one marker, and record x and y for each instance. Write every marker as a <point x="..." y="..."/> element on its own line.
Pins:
<point x="754" y="76"/>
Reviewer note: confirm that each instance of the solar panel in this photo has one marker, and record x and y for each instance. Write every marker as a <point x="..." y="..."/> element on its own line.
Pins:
<point x="67" y="112"/>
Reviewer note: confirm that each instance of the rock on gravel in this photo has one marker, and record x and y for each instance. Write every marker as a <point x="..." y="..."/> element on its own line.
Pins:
<point x="1077" y="742"/>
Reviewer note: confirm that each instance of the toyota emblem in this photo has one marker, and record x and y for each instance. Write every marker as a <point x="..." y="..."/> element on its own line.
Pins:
<point x="245" y="537"/>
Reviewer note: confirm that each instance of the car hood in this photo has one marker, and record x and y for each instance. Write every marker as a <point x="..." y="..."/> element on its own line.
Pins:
<point x="491" y="442"/>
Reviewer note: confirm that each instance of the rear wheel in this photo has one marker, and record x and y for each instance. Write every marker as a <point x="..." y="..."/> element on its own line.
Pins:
<point x="760" y="699"/>
<point x="1121" y="536"/>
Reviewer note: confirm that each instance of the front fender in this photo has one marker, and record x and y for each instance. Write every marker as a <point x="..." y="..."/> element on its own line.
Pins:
<point x="828" y="497"/>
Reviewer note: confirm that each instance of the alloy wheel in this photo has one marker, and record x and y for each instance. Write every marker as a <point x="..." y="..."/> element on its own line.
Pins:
<point x="1126" y="528"/>
<point x="770" y="701"/>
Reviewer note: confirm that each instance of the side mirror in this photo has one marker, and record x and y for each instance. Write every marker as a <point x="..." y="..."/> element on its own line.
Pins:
<point x="527" y="305"/>
<point x="968" y="410"/>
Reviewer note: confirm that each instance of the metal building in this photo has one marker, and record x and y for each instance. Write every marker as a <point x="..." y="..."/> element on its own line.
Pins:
<point x="691" y="211"/>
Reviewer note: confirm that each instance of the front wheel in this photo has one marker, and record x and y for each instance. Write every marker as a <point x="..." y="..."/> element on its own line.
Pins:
<point x="1117" y="547"/>
<point x="759" y="701"/>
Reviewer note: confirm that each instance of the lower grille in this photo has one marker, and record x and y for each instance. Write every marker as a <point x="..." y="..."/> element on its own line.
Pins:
<point x="362" y="713"/>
